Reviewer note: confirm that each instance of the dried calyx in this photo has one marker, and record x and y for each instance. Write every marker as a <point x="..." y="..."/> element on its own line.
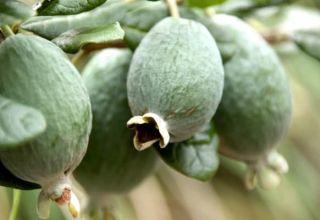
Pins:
<point x="149" y="129"/>
<point x="267" y="172"/>
<point x="60" y="192"/>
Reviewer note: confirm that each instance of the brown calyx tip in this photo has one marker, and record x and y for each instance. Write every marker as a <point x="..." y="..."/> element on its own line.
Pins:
<point x="65" y="197"/>
<point x="149" y="129"/>
<point x="147" y="132"/>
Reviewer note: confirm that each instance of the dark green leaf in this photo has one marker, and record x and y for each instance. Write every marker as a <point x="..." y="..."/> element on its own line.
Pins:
<point x="67" y="7"/>
<point x="196" y="157"/>
<point x="18" y="123"/>
<point x="51" y="27"/>
<point x="141" y="19"/>
<point x="73" y="40"/>
<point x="13" y="11"/>
<point x="309" y="42"/>
<point x="133" y="37"/>
<point x="204" y="3"/>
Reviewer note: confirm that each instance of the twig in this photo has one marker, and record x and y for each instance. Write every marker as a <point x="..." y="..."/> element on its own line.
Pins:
<point x="6" y="31"/>
<point x="15" y="204"/>
<point x="172" y="5"/>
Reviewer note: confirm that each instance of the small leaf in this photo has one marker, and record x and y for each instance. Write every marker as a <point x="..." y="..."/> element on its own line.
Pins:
<point x="18" y="123"/>
<point x="73" y="40"/>
<point x="133" y="37"/>
<point x="204" y="3"/>
<point x="309" y="42"/>
<point x="51" y="27"/>
<point x="13" y="11"/>
<point x="67" y="7"/>
<point x="196" y="157"/>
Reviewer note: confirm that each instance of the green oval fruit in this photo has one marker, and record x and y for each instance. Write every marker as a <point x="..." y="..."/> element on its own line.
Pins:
<point x="111" y="163"/>
<point x="37" y="73"/>
<point x="255" y="110"/>
<point x="176" y="89"/>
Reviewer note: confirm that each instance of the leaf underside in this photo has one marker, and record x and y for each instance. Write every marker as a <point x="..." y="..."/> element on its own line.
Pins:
<point x="73" y="40"/>
<point x="13" y="11"/>
<point x="196" y="157"/>
<point x="309" y="42"/>
<point x="67" y="7"/>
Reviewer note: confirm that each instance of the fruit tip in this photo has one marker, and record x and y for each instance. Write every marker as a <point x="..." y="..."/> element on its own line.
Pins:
<point x="149" y="129"/>
<point x="61" y="193"/>
<point x="277" y="162"/>
<point x="268" y="179"/>
<point x="43" y="206"/>
<point x="251" y="179"/>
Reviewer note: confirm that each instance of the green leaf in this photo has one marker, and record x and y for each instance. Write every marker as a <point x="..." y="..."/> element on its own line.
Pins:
<point x="18" y="123"/>
<point x="13" y="11"/>
<point x="196" y="157"/>
<point x="133" y="37"/>
<point x="141" y="19"/>
<point x="203" y="3"/>
<point x="73" y="40"/>
<point x="50" y="27"/>
<point x="67" y="7"/>
<point x="309" y="42"/>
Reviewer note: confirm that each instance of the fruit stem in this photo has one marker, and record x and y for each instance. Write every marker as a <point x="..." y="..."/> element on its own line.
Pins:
<point x="78" y="58"/>
<point x="7" y="32"/>
<point x="172" y="5"/>
<point x="209" y="12"/>
<point x="15" y="204"/>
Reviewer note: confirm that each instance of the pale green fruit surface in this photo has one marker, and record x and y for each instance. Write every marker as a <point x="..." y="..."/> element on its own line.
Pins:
<point x="111" y="163"/>
<point x="7" y="179"/>
<point x="36" y="73"/>
<point x="255" y="109"/>
<point x="176" y="73"/>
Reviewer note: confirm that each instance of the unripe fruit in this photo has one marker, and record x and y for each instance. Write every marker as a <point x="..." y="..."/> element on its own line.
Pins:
<point x="175" y="82"/>
<point x="111" y="165"/>
<point x="255" y="109"/>
<point x="37" y="73"/>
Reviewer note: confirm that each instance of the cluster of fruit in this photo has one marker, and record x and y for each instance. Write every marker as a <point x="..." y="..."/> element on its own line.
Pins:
<point x="180" y="78"/>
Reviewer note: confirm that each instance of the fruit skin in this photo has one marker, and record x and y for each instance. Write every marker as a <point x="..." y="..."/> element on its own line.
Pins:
<point x="183" y="79"/>
<point x="111" y="163"/>
<point x="36" y="73"/>
<point x="7" y="179"/>
<point x="255" y="110"/>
